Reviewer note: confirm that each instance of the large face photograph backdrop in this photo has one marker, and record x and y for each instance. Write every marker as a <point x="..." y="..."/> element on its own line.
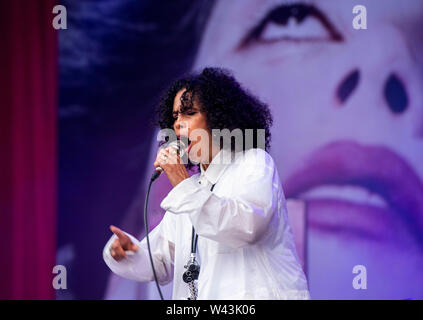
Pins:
<point x="347" y="133"/>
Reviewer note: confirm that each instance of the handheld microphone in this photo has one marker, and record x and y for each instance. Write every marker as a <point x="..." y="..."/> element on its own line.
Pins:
<point x="179" y="147"/>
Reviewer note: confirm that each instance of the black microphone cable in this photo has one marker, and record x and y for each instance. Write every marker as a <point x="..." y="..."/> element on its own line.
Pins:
<point x="153" y="177"/>
<point x="179" y="145"/>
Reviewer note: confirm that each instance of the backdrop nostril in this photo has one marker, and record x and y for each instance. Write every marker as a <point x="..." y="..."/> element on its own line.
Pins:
<point x="348" y="85"/>
<point x="395" y="94"/>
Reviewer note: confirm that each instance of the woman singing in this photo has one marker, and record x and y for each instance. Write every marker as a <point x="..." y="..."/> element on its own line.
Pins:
<point x="229" y="221"/>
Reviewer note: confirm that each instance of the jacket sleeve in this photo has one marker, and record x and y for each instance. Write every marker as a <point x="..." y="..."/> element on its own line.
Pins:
<point x="241" y="218"/>
<point x="137" y="265"/>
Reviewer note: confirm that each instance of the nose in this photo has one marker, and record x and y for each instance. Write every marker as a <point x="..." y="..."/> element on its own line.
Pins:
<point x="387" y="77"/>
<point x="177" y="125"/>
<point x="180" y="126"/>
<point x="394" y="91"/>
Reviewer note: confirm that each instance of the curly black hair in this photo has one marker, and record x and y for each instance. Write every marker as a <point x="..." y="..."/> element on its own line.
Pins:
<point x="226" y="104"/>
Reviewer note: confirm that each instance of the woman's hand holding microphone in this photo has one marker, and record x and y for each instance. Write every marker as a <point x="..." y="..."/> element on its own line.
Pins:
<point x="169" y="160"/>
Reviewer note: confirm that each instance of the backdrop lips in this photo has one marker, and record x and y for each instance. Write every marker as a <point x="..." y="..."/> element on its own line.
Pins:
<point x="375" y="168"/>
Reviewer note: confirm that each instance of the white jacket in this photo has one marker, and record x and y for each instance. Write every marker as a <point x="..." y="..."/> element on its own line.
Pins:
<point x="245" y="245"/>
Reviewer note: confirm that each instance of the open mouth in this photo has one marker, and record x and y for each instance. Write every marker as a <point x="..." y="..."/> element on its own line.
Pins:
<point x="369" y="190"/>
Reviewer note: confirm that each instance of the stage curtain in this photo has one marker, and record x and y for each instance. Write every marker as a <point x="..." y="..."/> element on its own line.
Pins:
<point x="28" y="161"/>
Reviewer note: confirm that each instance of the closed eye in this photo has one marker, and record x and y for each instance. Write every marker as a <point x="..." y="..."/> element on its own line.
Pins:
<point x="293" y="22"/>
<point x="188" y="113"/>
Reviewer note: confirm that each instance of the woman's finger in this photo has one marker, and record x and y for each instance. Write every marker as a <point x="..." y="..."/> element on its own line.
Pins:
<point x="123" y="238"/>
<point x="163" y="157"/>
<point x="116" y="244"/>
<point x="171" y="151"/>
<point x="170" y="156"/>
<point x="120" y="253"/>
<point x="114" y="255"/>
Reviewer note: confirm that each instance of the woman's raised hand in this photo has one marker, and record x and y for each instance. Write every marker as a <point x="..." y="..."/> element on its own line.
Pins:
<point x="121" y="244"/>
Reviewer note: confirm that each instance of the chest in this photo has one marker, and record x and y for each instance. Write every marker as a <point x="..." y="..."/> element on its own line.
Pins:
<point x="207" y="249"/>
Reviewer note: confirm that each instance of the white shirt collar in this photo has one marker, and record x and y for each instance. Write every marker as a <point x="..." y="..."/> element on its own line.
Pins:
<point x="217" y="166"/>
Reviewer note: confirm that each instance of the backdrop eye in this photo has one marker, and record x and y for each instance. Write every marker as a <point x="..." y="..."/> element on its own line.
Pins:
<point x="294" y="22"/>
